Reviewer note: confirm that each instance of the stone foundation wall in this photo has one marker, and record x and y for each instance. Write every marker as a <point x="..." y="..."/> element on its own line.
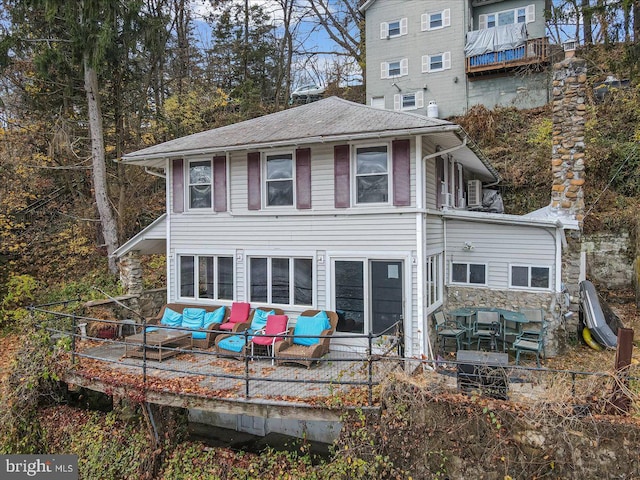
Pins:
<point x="610" y="259"/>
<point x="512" y="300"/>
<point x="147" y="304"/>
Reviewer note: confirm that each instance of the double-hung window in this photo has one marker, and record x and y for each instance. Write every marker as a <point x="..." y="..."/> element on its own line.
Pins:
<point x="530" y="276"/>
<point x="468" y="273"/>
<point x="200" y="184"/>
<point x="436" y="62"/>
<point x="372" y="174"/>
<point x="395" y="68"/>
<point x="206" y="277"/>
<point x="279" y="179"/>
<point x="436" y="20"/>
<point x="281" y="280"/>
<point x="393" y="29"/>
<point x="408" y="101"/>
<point x="507" y="17"/>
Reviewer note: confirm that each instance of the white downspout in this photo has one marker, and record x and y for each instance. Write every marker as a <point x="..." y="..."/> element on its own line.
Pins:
<point x="168" y="193"/>
<point x="420" y="245"/>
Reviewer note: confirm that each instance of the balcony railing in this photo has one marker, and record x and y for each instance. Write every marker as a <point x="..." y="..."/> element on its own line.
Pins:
<point x="535" y="52"/>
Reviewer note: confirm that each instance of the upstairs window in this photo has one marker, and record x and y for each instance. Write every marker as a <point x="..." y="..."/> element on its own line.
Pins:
<point x="436" y="20"/>
<point x="279" y="179"/>
<point x="200" y="184"/>
<point x="396" y="68"/>
<point x="408" y="101"/>
<point x="393" y="29"/>
<point x="507" y="17"/>
<point x="372" y="174"/>
<point x="436" y="63"/>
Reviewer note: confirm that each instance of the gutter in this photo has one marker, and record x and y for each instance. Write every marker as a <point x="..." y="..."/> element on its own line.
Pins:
<point x="453" y="128"/>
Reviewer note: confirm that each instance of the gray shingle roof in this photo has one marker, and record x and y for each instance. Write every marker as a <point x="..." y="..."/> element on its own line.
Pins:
<point x="314" y="122"/>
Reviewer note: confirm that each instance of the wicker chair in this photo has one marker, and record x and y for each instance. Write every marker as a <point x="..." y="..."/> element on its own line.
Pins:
<point x="289" y="352"/>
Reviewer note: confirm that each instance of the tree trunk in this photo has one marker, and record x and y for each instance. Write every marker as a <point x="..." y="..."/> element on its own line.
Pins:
<point x="107" y="220"/>
<point x="586" y="16"/>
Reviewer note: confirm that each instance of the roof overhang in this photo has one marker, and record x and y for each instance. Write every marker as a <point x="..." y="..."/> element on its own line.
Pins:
<point x="149" y="241"/>
<point x="507" y="219"/>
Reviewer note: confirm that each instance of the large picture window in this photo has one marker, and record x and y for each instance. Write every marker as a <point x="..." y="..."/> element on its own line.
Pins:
<point x="281" y="280"/>
<point x="529" y="276"/>
<point x="372" y="174"/>
<point x="279" y="179"/>
<point x="206" y="277"/>
<point x="468" y="273"/>
<point x="507" y="17"/>
<point x="200" y="184"/>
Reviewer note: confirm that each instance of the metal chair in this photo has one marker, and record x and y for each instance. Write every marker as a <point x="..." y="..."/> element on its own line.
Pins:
<point x="536" y="325"/>
<point x="448" y="329"/>
<point x="531" y="340"/>
<point x="487" y="327"/>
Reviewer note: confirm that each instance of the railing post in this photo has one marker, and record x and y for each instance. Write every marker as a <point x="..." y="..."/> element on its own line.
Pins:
<point x="73" y="339"/>
<point x="144" y="353"/>
<point x="370" y="368"/>
<point x="246" y="365"/>
<point x="573" y="385"/>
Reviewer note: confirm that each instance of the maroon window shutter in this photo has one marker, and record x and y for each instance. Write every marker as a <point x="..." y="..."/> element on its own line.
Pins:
<point x="341" y="176"/>
<point x="303" y="178"/>
<point x="401" y="172"/>
<point x="220" y="184"/>
<point x="439" y="180"/>
<point x="253" y="181"/>
<point x="178" y="185"/>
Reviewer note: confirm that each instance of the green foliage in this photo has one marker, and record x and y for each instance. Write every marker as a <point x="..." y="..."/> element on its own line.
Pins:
<point x="540" y="134"/>
<point x="21" y="291"/>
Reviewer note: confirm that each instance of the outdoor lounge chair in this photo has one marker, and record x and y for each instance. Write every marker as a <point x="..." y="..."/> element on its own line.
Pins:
<point x="233" y="344"/>
<point x="302" y="345"/>
<point x="238" y="318"/>
<point x="270" y="334"/>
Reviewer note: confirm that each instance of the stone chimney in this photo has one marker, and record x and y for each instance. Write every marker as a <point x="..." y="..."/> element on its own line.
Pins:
<point x="567" y="157"/>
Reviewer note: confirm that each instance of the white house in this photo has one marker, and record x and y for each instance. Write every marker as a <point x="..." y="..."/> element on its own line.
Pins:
<point x="334" y="205"/>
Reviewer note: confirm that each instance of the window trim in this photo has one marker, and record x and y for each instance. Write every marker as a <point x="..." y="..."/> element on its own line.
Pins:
<point x="354" y="173"/>
<point x="188" y="185"/>
<point x="196" y="275"/>
<point x="425" y="20"/>
<point x="530" y="266"/>
<point x="269" y="257"/>
<point x="434" y="284"/>
<point x="264" y="187"/>
<point x="468" y="264"/>
<point x="427" y="61"/>
<point x="385" y="28"/>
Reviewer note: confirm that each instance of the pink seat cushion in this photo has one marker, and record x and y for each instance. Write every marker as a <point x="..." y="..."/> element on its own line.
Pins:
<point x="239" y="313"/>
<point x="227" y="326"/>
<point x="275" y="324"/>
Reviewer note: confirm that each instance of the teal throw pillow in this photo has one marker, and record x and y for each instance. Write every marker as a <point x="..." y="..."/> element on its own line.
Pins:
<point x="260" y="319"/>
<point x="171" y="318"/>
<point x="310" y="326"/>
<point x="193" y="318"/>
<point x="213" y="317"/>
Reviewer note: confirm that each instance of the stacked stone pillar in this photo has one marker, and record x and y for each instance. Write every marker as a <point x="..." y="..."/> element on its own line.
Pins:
<point x="567" y="159"/>
<point x="131" y="273"/>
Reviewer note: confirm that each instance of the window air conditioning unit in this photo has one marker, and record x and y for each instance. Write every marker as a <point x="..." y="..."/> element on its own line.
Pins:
<point x="474" y="193"/>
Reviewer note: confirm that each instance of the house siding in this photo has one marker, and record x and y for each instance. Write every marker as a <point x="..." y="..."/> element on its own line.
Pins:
<point x="499" y="246"/>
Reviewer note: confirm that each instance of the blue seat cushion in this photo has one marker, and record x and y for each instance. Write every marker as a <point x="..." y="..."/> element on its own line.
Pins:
<point x="233" y="343"/>
<point x="193" y="318"/>
<point x="259" y="320"/>
<point x="171" y="318"/>
<point x="310" y="326"/>
<point x="213" y="317"/>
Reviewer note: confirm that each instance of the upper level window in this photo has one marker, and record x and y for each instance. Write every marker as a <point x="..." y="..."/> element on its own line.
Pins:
<point x="200" y="184"/>
<point x="279" y="179"/>
<point x="507" y="17"/>
<point x="206" y="277"/>
<point x="436" y="63"/>
<point x="529" y="276"/>
<point x="436" y="20"/>
<point x="408" y="101"/>
<point x="396" y="68"/>
<point x="393" y="29"/>
<point x="281" y="280"/>
<point x="469" y="273"/>
<point x="372" y="174"/>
